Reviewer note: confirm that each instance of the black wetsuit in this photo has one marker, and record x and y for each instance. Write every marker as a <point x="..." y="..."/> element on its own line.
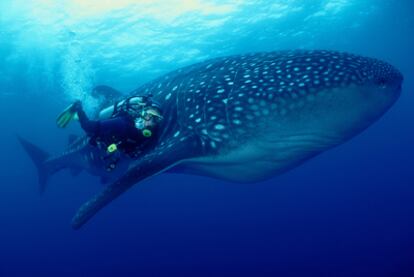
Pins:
<point x="120" y="130"/>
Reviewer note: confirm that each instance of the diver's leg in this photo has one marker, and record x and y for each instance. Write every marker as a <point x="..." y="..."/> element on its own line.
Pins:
<point x="91" y="127"/>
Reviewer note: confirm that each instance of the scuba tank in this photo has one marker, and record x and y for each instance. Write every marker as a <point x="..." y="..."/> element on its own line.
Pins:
<point x="131" y="104"/>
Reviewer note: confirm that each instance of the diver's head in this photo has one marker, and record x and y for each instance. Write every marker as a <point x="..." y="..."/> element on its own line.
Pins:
<point x="152" y="116"/>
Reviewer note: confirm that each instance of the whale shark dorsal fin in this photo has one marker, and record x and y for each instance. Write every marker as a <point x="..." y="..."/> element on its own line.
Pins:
<point x="157" y="160"/>
<point x="107" y="95"/>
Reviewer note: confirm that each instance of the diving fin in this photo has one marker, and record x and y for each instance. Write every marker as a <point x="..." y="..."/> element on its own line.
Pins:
<point x="66" y="116"/>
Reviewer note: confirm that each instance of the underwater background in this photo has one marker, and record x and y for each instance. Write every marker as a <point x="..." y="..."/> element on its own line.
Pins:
<point x="347" y="212"/>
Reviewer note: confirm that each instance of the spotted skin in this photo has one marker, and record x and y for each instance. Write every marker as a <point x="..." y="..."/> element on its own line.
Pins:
<point x="249" y="117"/>
<point x="237" y="97"/>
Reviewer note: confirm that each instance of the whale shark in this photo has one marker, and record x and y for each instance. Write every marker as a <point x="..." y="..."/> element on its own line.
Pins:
<point x="242" y="118"/>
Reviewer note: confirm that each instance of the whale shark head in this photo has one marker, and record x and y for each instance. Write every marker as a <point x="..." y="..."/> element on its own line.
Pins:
<point x="358" y="91"/>
<point x="329" y="97"/>
<point x="278" y="109"/>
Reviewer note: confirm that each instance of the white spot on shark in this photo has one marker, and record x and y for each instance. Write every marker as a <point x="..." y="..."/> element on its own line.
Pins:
<point x="219" y="127"/>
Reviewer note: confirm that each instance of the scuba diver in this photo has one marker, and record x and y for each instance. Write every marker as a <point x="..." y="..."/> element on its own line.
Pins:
<point x="129" y="125"/>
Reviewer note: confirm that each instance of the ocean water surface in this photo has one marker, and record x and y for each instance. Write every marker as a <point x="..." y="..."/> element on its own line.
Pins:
<point x="347" y="212"/>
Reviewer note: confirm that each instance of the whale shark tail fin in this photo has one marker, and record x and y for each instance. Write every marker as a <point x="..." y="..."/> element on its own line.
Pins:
<point x="39" y="157"/>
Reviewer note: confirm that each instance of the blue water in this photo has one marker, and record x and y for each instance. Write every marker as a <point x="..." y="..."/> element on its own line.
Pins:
<point x="347" y="212"/>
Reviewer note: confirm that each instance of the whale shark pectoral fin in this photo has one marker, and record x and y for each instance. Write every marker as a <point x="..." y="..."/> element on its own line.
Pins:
<point x="110" y="94"/>
<point x="106" y="96"/>
<point x="158" y="160"/>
